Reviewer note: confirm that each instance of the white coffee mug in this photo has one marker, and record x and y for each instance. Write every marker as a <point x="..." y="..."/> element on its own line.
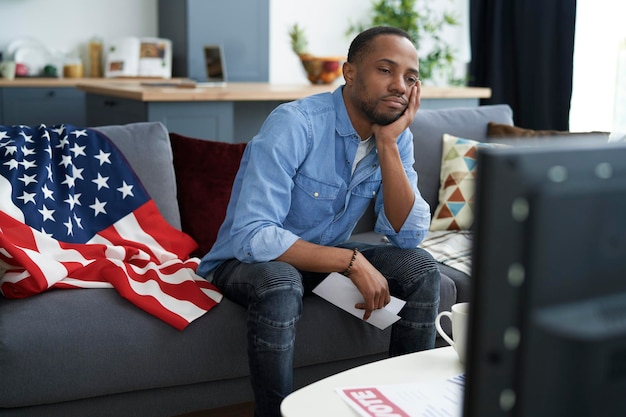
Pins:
<point x="458" y="317"/>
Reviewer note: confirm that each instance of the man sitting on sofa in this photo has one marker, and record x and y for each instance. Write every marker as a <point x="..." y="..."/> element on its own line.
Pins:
<point x="304" y="182"/>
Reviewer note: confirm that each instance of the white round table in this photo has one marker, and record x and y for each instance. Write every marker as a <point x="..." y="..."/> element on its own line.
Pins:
<point x="321" y="399"/>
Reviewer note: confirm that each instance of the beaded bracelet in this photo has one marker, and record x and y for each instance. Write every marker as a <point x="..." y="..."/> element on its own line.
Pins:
<point x="354" y="254"/>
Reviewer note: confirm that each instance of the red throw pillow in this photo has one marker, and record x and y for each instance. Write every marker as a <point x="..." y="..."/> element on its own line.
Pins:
<point x="205" y="171"/>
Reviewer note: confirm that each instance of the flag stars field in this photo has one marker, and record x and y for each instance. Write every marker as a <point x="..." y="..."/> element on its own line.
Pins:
<point x="118" y="241"/>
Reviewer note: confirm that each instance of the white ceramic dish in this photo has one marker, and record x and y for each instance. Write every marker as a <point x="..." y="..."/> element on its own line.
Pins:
<point x="31" y="53"/>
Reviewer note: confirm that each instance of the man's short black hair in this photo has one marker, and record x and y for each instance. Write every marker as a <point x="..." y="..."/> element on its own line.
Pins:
<point x="361" y="43"/>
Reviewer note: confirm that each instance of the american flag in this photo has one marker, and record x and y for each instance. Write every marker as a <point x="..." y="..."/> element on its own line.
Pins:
<point x="73" y="214"/>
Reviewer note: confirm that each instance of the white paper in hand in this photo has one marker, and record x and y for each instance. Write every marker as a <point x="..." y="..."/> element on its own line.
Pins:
<point x="340" y="291"/>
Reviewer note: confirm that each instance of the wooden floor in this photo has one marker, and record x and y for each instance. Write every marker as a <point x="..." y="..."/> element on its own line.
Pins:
<point x="238" y="410"/>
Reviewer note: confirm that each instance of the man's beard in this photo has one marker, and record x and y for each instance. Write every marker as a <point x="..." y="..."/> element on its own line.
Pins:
<point x="376" y="117"/>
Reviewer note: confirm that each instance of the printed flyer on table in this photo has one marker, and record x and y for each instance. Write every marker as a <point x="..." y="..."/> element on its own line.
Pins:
<point x="439" y="399"/>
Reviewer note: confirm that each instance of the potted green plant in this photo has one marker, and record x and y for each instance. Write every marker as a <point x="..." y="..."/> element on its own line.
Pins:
<point x="422" y="23"/>
<point x="319" y="69"/>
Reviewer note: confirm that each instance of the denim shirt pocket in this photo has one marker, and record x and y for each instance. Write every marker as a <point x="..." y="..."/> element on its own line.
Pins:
<point x="363" y="195"/>
<point x="312" y="202"/>
<point x="367" y="189"/>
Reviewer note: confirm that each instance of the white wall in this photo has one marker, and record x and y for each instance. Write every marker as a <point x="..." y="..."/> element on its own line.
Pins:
<point x="67" y="25"/>
<point x="325" y="32"/>
<point x="326" y="23"/>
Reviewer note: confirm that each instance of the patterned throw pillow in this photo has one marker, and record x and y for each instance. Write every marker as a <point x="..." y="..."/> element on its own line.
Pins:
<point x="456" y="192"/>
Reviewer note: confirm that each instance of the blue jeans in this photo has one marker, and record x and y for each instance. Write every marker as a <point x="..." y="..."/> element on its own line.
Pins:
<point x="272" y="292"/>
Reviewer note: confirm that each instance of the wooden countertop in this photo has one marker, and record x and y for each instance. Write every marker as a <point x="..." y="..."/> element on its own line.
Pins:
<point x="73" y="82"/>
<point x="47" y="82"/>
<point x="181" y="90"/>
<point x="232" y="91"/>
<point x="241" y="91"/>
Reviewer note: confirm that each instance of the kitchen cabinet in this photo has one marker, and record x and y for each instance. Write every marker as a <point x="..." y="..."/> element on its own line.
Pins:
<point x="202" y="119"/>
<point x="103" y="110"/>
<point x="36" y="105"/>
<point x="240" y="26"/>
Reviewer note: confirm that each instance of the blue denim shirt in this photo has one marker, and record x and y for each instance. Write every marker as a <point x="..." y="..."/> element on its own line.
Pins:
<point x="295" y="182"/>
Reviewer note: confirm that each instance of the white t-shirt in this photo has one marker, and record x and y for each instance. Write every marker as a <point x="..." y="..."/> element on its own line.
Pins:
<point x="364" y="148"/>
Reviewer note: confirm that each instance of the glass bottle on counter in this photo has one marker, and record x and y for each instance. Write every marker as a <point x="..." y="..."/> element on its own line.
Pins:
<point x="95" y="57"/>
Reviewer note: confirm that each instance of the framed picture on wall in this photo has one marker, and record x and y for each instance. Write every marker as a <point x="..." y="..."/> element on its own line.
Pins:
<point x="215" y="65"/>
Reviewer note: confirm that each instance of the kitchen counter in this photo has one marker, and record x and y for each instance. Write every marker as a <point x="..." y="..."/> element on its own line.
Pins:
<point x="48" y="82"/>
<point x="75" y="82"/>
<point x="230" y="113"/>
<point x="150" y="91"/>
<point x="34" y="100"/>
<point x="186" y="91"/>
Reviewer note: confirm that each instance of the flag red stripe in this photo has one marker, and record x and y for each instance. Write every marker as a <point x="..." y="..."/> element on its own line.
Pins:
<point x="120" y="241"/>
<point x="103" y="270"/>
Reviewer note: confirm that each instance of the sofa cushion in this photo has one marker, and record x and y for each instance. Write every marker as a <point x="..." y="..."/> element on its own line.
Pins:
<point x="428" y="128"/>
<point x="205" y="171"/>
<point x="90" y="342"/>
<point x="455" y="210"/>
<point x="146" y="147"/>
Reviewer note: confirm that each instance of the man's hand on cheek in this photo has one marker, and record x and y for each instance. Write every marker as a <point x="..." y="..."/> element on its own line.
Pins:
<point x="391" y="131"/>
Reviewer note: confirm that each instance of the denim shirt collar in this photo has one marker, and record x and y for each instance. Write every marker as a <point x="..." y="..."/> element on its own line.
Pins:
<point x="343" y="125"/>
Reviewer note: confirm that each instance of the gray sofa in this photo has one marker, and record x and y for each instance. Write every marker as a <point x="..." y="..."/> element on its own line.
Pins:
<point x="91" y="353"/>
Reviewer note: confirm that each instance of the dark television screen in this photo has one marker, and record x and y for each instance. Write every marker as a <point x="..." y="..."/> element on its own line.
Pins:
<point x="547" y="330"/>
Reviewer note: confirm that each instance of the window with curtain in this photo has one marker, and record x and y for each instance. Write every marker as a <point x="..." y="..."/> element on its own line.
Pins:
<point x="523" y="50"/>
<point x="599" y="78"/>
